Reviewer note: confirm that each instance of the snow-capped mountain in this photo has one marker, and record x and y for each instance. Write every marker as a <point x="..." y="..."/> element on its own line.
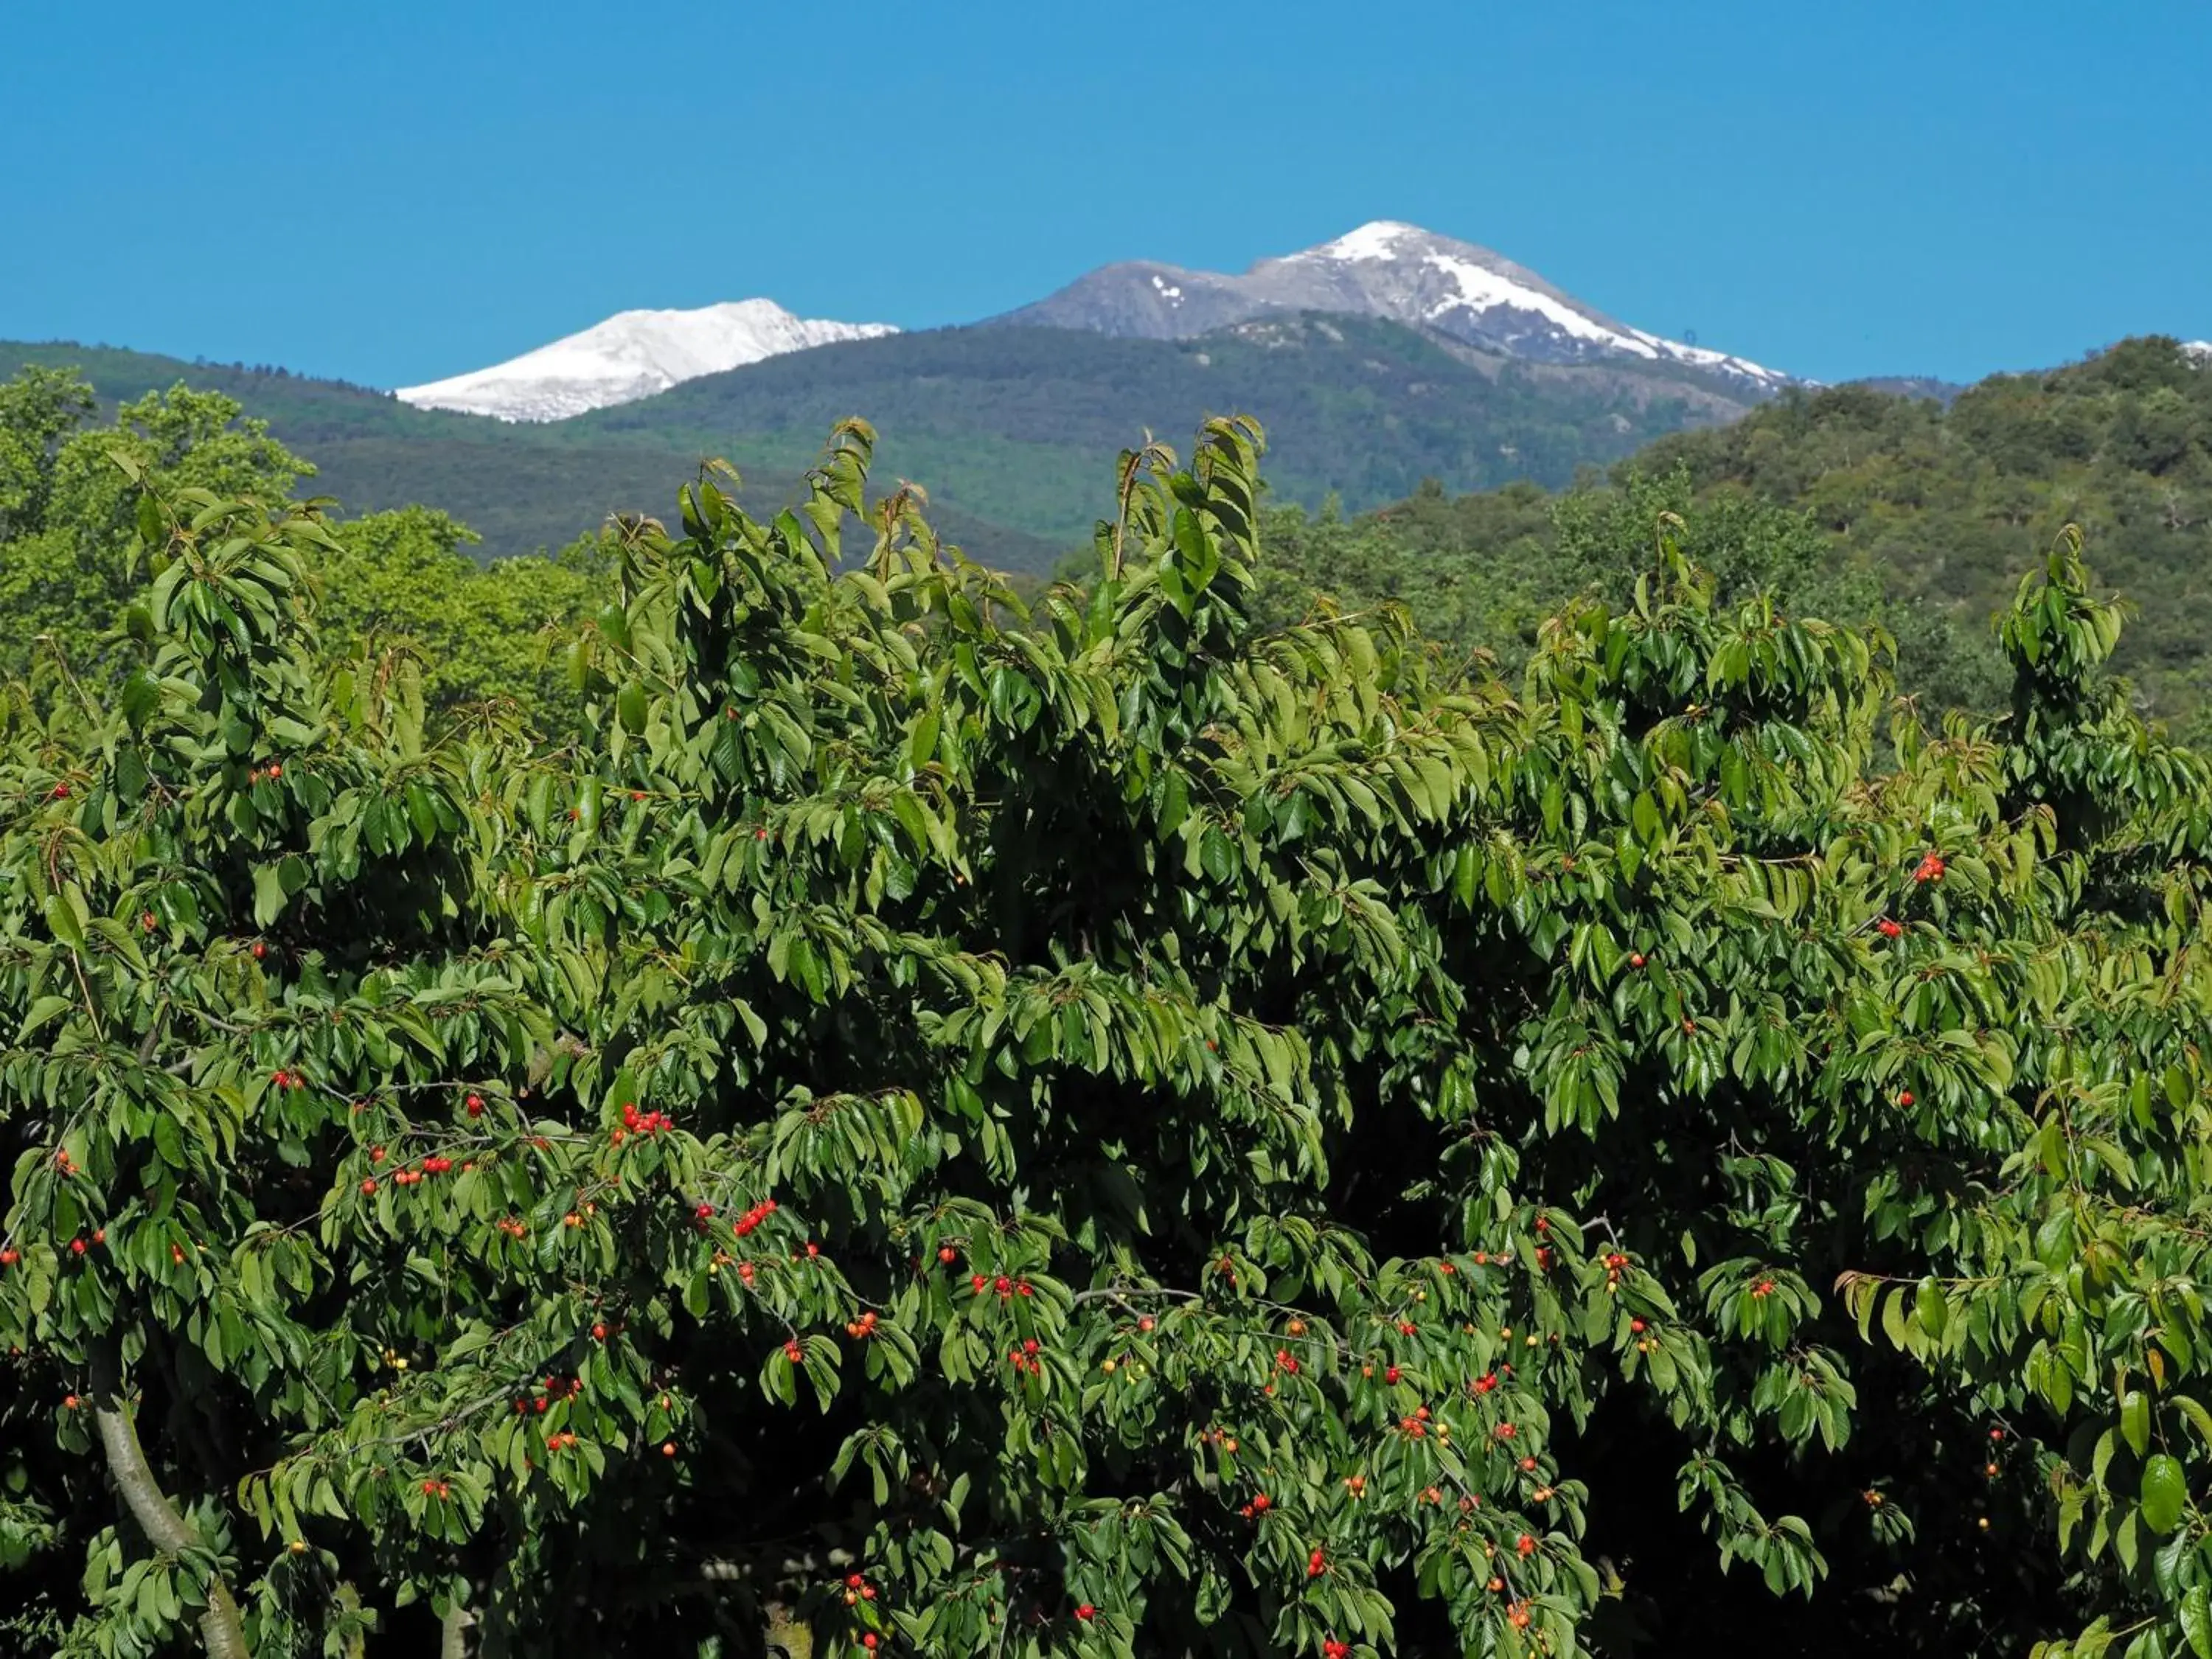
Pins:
<point x="2200" y="350"/>
<point x="1384" y="269"/>
<point x="632" y="355"/>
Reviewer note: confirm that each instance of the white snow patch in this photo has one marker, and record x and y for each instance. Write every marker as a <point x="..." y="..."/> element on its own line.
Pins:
<point x="632" y="355"/>
<point x="1377" y="239"/>
<point x="2200" y="350"/>
<point x="1167" y="290"/>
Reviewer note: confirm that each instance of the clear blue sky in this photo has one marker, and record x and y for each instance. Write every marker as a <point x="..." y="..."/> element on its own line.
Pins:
<point x="399" y="190"/>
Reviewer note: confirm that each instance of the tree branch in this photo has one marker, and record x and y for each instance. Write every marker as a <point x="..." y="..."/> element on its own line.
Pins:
<point x="222" y="1632"/>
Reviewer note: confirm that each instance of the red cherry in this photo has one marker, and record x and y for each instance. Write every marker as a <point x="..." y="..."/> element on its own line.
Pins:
<point x="77" y="1246"/>
<point x="854" y="1581"/>
<point x="8" y="1258"/>
<point x="1904" y="1097"/>
<point x="1635" y="958"/>
<point x="1086" y="1613"/>
<point x="947" y="1255"/>
<point x="598" y="1332"/>
<point x="68" y="1402"/>
<point x="100" y="1235"/>
<point x="260" y="950"/>
<point x="476" y="1105"/>
<point x="668" y="1449"/>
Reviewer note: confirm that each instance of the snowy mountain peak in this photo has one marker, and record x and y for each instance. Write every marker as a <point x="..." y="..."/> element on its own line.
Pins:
<point x="1379" y="238"/>
<point x="632" y="355"/>
<point x="1386" y="268"/>
<point x="2200" y="350"/>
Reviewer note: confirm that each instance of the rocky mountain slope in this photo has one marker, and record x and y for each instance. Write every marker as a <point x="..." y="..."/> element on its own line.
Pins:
<point x="1388" y="270"/>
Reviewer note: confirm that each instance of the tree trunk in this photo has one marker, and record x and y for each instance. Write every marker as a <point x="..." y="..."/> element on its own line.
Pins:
<point x="222" y="1630"/>
<point x="786" y="1635"/>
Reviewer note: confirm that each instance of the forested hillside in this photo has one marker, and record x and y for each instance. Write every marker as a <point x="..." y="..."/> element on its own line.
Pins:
<point x="1856" y="504"/>
<point x="1010" y="431"/>
<point x="519" y="489"/>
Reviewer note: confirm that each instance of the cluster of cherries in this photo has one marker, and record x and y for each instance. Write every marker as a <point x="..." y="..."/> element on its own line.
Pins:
<point x="284" y="1079"/>
<point x="1888" y="928"/>
<point x="752" y="1219"/>
<point x="436" y="1165"/>
<point x="861" y="1328"/>
<point x="436" y="1489"/>
<point x="551" y="1389"/>
<point x="1005" y="1286"/>
<point x="1929" y="868"/>
<point x="1765" y="1288"/>
<point x="1025" y="1359"/>
<point x="641" y="1123"/>
<point x="273" y="771"/>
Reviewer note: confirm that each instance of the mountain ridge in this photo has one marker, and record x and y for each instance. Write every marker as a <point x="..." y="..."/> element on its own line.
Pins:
<point x="1387" y="269"/>
<point x="629" y="356"/>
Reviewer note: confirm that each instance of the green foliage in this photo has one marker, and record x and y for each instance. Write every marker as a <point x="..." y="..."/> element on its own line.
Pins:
<point x="69" y="516"/>
<point x="1128" y="1128"/>
<point x="399" y="596"/>
<point x="1848" y="503"/>
<point x="478" y="633"/>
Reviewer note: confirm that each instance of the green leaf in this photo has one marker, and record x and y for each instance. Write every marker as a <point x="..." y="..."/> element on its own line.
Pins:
<point x="2165" y="1492"/>
<point x="269" y="894"/>
<point x="2196" y="1620"/>
<point x="2135" y="1422"/>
